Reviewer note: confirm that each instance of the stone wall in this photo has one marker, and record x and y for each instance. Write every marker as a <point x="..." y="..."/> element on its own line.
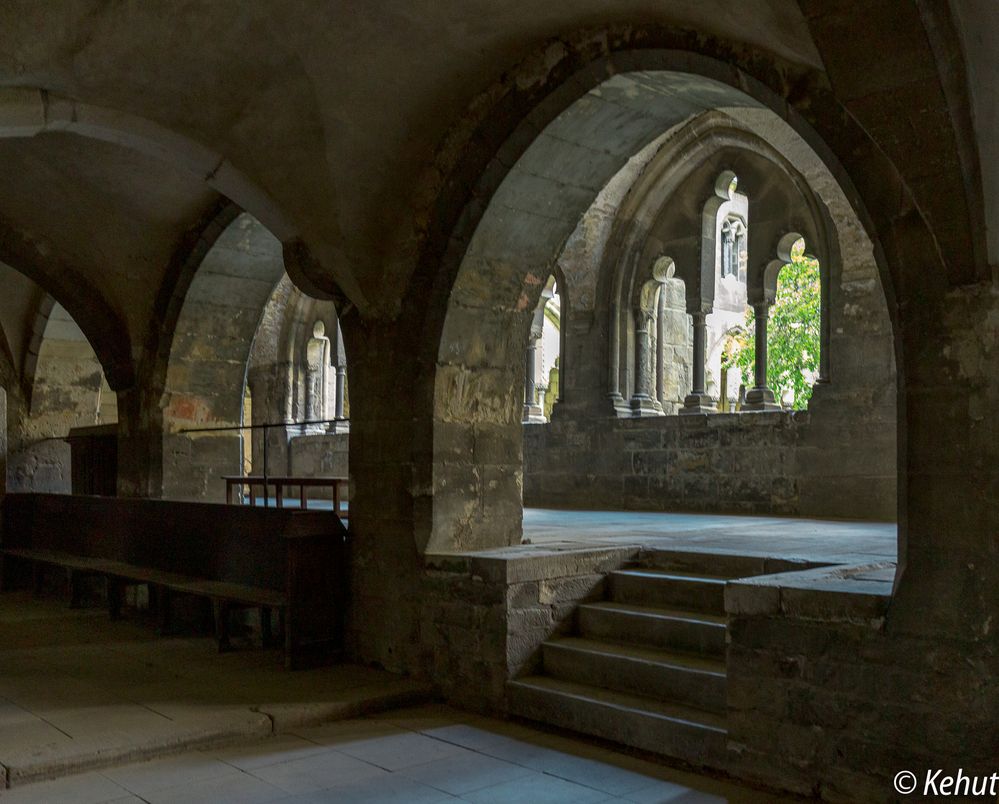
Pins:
<point x="485" y="615"/>
<point x="826" y="698"/>
<point x="318" y="455"/>
<point x="749" y="463"/>
<point x="195" y="463"/>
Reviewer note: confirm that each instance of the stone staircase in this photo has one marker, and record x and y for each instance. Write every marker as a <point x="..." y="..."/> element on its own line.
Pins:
<point x="646" y="666"/>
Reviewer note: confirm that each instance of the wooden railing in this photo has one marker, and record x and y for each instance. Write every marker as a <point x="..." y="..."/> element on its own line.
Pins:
<point x="281" y="483"/>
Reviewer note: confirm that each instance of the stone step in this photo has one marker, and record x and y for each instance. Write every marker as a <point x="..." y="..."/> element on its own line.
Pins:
<point x="665" y="676"/>
<point x="639" y="587"/>
<point x="667" y="629"/>
<point x="668" y="729"/>
<point x="719" y="565"/>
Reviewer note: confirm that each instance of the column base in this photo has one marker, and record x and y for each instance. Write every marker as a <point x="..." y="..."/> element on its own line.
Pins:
<point x="694" y="404"/>
<point x="619" y="404"/>
<point x="643" y="405"/>
<point x="533" y="414"/>
<point x="294" y="431"/>
<point x="760" y="399"/>
<point x="337" y="427"/>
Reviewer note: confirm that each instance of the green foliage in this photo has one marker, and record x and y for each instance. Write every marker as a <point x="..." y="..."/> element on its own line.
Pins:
<point x="552" y="393"/>
<point x="792" y="333"/>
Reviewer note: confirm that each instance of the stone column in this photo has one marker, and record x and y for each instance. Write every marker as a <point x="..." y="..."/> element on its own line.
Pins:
<point x="340" y="425"/>
<point x="660" y="348"/>
<point x="698" y="400"/>
<point x="533" y="414"/>
<point x="760" y="397"/>
<point x="642" y="403"/>
<point x="825" y="323"/>
<point x="341" y="375"/>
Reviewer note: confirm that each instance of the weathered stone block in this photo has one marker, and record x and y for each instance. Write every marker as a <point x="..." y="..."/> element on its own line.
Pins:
<point x="751" y="599"/>
<point x="571" y="589"/>
<point x="651" y="462"/>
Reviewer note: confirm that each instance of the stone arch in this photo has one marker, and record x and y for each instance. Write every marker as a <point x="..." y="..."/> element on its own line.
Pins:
<point x="67" y="389"/>
<point x="771" y="273"/>
<point x="278" y="380"/>
<point x="205" y="374"/>
<point x="104" y="327"/>
<point x="678" y="206"/>
<point x="27" y="111"/>
<point x="552" y="103"/>
<point x="41" y="319"/>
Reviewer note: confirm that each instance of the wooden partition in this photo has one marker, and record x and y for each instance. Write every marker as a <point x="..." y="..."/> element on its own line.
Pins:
<point x="284" y="558"/>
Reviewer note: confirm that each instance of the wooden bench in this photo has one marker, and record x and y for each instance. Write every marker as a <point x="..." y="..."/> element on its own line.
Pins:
<point x="284" y="560"/>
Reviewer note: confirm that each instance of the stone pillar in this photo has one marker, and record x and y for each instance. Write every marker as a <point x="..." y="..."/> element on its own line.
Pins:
<point x="760" y="397"/>
<point x="533" y="414"/>
<point x="140" y="445"/>
<point x="661" y="349"/>
<point x="341" y="375"/>
<point x="339" y="393"/>
<point x="698" y="400"/>
<point x="825" y="322"/>
<point x="642" y="403"/>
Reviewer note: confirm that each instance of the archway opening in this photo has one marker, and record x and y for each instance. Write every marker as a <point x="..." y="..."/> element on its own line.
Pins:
<point x="256" y="376"/>
<point x="708" y="183"/>
<point x="794" y="331"/>
<point x="542" y="361"/>
<point x="68" y="390"/>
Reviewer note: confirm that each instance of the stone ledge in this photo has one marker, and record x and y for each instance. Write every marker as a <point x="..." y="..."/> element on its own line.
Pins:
<point x="523" y="563"/>
<point x="851" y="593"/>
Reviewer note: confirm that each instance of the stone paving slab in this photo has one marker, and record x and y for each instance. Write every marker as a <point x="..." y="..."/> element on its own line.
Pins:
<point x="79" y="692"/>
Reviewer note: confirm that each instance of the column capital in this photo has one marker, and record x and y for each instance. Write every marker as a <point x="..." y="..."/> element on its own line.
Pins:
<point x="643" y="317"/>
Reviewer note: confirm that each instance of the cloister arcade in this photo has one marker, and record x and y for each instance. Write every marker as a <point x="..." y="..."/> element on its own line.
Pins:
<point x="642" y="300"/>
<point x="368" y="245"/>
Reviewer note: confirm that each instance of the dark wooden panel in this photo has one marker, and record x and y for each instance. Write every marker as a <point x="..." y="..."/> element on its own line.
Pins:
<point x="299" y="554"/>
<point x="94" y="460"/>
